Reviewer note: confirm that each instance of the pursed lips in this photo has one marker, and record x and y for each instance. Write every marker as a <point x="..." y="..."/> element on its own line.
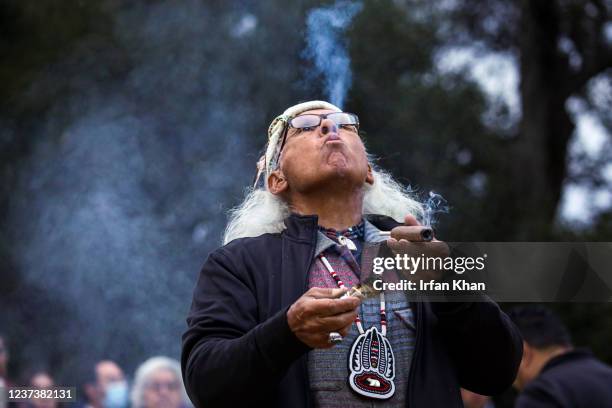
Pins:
<point x="333" y="137"/>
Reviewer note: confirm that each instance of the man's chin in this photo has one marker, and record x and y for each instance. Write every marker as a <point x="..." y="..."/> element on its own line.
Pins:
<point x="337" y="159"/>
<point x="339" y="170"/>
<point x="339" y="176"/>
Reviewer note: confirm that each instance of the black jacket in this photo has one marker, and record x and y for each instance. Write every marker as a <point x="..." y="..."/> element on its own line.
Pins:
<point x="238" y="348"/>
<point x="575" y="379"/>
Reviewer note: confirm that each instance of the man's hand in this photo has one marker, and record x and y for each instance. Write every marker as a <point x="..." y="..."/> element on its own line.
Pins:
<point x="319" y="312"/>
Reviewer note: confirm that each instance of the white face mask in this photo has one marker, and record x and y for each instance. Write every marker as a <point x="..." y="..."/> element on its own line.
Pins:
<point x="116" y="395"/>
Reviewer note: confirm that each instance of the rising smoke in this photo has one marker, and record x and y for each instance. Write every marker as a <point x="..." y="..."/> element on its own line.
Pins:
<point x="148" y="141"/>
<point x="326" y="47"/>
<point x="434" y="206"/>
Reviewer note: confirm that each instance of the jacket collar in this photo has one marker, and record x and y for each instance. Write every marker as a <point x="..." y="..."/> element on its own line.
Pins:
<point x="371" y="234"/>
<point x="574" y="354"/>
<point x="302" y="227"/>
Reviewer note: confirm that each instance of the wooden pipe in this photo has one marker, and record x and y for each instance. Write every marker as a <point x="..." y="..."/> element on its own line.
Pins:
<point x="415" y="233"/>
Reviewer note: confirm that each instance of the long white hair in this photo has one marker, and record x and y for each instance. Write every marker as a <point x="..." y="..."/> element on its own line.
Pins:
<point x="146" y="370"/>
<point x="262" y="212"/>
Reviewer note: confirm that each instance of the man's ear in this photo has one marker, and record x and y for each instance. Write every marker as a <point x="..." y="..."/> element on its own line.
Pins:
<point x="370" y="176"/>
<point x="277" y="183"/>
<point x="527" y="354"/>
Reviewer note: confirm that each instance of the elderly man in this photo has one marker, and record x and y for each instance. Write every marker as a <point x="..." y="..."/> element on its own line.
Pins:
<point x="157" y="384"/>
<point x="268" y="324"/>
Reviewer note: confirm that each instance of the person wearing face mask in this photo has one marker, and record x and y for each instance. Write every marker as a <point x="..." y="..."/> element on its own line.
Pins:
<point x="158" y="384"/>
<point x="107" y="388"/>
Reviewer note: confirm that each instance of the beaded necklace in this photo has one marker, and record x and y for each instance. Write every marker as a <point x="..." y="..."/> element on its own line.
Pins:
<point x="371" y="361"/>
<point x="346" y="237"/>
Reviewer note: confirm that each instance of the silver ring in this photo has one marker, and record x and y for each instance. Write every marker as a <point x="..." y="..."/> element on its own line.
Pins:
<point x="334" y="337"/>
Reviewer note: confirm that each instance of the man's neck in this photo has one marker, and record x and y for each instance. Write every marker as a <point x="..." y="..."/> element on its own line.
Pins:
<point x="541" y="358"/>
<point x="334" y="210"/>
<point x="546" y="356"/>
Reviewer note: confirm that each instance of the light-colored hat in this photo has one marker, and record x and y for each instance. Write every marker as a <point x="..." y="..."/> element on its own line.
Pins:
<point x="269" y="161"/>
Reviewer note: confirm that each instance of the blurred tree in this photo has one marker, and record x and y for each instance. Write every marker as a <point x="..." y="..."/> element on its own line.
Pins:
<point x="503" y="183"/>
<point x="425" y="126"/>
<point x="560" y="46"/>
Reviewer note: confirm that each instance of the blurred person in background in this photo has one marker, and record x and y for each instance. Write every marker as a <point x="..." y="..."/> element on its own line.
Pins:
<point x="107" y="387"/>
<point x="473" y="400"/>
<point x="4" y="359"/>
<point x="158" y="384"/>
<point x="552" y="372"/>
<point x="42" y="381"/>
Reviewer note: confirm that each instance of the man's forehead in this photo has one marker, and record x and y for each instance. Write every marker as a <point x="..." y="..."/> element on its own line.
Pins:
<point x="163" y="373"/>
<point x="108" y="368"/>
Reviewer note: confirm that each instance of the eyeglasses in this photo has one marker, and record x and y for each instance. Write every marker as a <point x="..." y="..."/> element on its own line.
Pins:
<point x="310" y="121"/>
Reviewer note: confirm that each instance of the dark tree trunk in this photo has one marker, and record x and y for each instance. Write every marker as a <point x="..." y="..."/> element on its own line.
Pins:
<point x="539" y="164"/>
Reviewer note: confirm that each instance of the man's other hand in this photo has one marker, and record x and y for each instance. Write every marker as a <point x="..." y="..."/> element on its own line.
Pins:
<point x="319" y="312"/>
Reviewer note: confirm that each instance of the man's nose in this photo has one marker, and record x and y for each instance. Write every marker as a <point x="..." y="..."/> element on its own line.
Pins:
<point x="328" y="126"/>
